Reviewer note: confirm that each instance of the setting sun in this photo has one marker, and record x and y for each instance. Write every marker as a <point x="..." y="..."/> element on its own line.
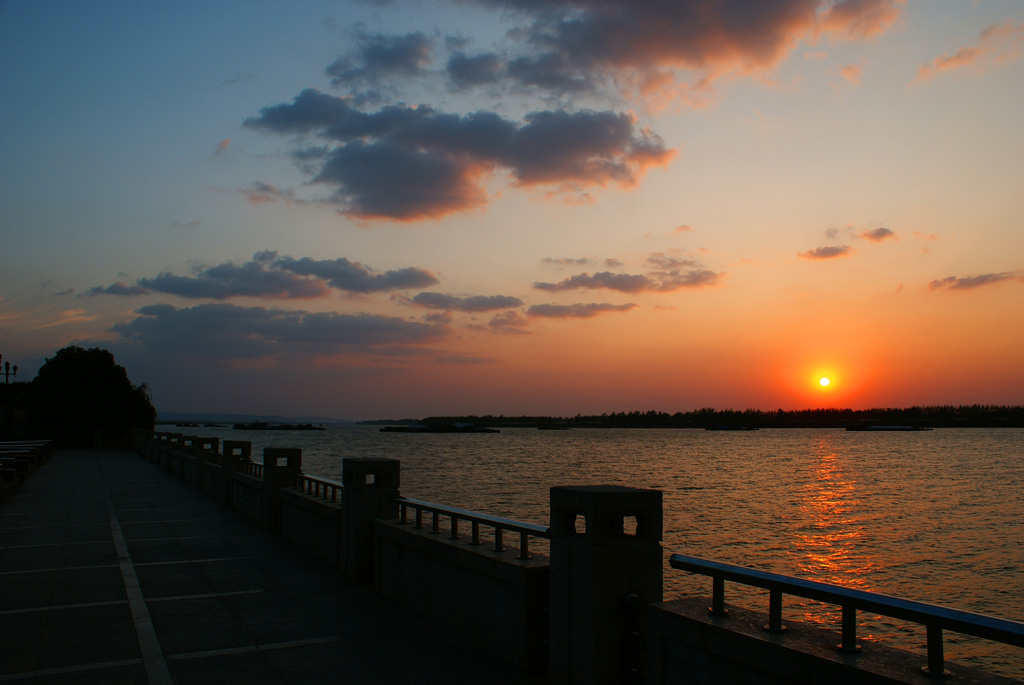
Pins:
<point x="824" y="382"/>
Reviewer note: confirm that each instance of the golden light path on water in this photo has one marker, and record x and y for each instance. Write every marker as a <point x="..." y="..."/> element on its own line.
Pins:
<point x="932" y="516"/>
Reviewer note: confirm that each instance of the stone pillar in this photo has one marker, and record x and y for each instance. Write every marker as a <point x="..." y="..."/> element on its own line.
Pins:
<point x="370" y="486"/>
<point x="235" y="453"/>
<point x="280" y="466"/>
<point x="205" y="448"/>
<point x="597" y="561"/>
<point x="173" y="450"/>
<point x="188" y="456"/>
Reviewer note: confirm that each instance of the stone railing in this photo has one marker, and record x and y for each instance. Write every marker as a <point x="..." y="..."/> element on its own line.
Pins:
<point x="496" y="524"/>
<point x="18" y="459"/>
<point x="591" y="611"/>
<point x="321" y="488"/>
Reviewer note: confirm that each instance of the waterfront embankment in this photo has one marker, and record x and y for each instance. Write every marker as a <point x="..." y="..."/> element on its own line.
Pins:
<point x="112" y="571"/>
<point x="601" y="586"/>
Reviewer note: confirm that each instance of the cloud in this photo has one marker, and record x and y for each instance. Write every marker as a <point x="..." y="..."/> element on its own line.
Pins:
<point x="971" y="282"/>
<point x="353" y="277"/>
<point x="879" y="234"/>
<point x="64" y="318"/>
<point x="252" y="279"/>
<point x="859" y="19"/>
<point x="268" y="275"/>
<point x="567" y="261"/>
<point x="625" y="283"/>
<point x="852" y="73"/>
<point x="226" y="331"/>
<point x="380" y="58"/>
<point x="222" y="146"/>
<point x="476" y="303"/>
<point x="997" y="44"/>
<point x="508" y="322"/>
<point x="464" y="359"/>
<point x="119" y="288"/>
<point x="466" y="71"/>
<point x="576" y="311"/>
<point x="683" y="228"/>
<point x="830" y="252"/>
<point x="408" y="163"/>
<point x="667" y="274"/>
<point x="574" y="45"/>
<point x="259" y="193"/>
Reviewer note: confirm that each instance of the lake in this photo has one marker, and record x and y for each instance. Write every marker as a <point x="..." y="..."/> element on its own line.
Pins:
<point x="934" y="516"/>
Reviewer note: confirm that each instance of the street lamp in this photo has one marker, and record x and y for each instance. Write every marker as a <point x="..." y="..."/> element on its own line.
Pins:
<point x="8" y="371"/>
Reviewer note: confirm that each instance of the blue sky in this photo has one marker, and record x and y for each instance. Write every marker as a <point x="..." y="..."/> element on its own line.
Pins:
<point x="406" y="208"/>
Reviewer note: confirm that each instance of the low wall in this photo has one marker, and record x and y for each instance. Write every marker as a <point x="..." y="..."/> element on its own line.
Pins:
<point x="492" y="600"/>
<point x="190" y="470"/>
<point x="247" y="496"/>
<point x="312" y="524"/>
<point x="213" y="480"/>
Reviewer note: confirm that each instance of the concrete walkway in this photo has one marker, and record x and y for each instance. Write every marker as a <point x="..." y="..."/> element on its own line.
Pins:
<point x="113" y="571"/>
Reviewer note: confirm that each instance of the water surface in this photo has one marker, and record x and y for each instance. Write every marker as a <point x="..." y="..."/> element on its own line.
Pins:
<point x="933" y="516"/>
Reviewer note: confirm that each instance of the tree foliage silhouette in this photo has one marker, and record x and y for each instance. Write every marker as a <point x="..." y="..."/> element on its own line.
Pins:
<point x="80" y="394"/>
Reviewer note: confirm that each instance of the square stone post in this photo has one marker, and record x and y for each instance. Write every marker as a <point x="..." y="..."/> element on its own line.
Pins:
<point x="280" y="466"/>
<point x="370" y="485"/>
<point x="235" y="453"/>
<point x="595" y="565"/>
<point x="189" y="445"/>
<point x="173" y="450"/>
<point x="205" y="448"/>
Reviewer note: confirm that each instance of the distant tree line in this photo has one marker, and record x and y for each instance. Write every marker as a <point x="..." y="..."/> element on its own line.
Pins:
<point x="939" y="416"/>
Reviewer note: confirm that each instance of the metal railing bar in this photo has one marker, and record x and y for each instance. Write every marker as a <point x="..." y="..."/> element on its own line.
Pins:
<point x="487" y="519"/>
<point x="979" y="625"/>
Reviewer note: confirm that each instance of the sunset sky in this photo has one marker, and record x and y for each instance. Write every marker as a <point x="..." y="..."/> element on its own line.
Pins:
<point x="401" y="209"/>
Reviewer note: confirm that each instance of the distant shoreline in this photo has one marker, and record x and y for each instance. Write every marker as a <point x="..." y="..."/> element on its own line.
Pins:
<point x="945" y="416"/>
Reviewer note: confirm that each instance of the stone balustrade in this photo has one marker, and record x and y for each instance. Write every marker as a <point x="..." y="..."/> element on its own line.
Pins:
<point x="590" y="612"/>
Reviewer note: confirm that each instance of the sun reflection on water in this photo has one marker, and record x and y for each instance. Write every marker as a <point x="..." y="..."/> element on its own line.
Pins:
<point x="830" y="543"/>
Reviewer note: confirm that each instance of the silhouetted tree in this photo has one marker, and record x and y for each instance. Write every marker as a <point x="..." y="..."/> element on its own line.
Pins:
<point x="79" y="395"/>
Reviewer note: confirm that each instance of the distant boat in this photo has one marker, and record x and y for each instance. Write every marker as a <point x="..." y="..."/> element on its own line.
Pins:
<point x="440" y="428"/>
<point x="732" y="428"/>
<point x="862" y="427"/>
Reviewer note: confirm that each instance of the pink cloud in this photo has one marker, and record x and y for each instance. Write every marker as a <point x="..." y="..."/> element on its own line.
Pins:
<point x="859" y="19"/>
<point x="580" y="45"/>
<point x="997" y="44"/>
<point x="852" y="73"/>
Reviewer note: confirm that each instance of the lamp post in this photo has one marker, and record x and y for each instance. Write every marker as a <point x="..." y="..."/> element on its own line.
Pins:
<point x="8" y="371"/>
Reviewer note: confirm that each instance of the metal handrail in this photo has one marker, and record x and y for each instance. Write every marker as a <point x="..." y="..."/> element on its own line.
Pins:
<point x="476" y="519"/>
<point x="324" y="488"/>
<point x="935" y="618"/>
